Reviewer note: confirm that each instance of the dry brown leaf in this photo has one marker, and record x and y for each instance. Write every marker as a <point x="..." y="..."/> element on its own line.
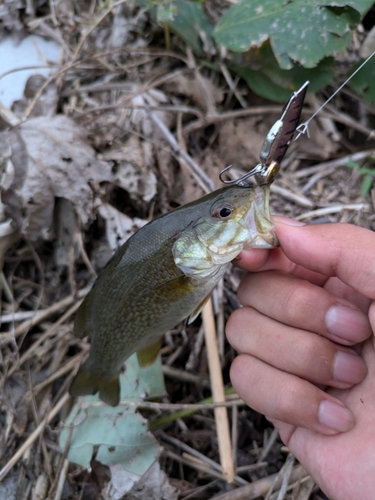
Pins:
<point x="139" y="156"/>
<point x="199" y="90"/>
<point x="134" y="168"/>
<point x="119" y="227"/>
<point x="60" y="163"/>
<point x="10" y="15"/>
<point x="240" y="141"/>
<point x="153" y="485"/>
<point x="46" y="105"/>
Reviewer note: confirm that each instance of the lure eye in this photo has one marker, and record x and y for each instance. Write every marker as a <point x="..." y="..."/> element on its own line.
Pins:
<point x="223" y="212"/>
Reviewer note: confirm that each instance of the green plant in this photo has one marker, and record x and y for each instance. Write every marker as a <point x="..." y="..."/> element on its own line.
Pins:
<point x="274" y="45"/>
<point x="368" y="173"/>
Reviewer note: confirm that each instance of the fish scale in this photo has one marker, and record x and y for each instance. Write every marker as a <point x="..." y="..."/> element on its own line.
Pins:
<point x="164" y="273"/>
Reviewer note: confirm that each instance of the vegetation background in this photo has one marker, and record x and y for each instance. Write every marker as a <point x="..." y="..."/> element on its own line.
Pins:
<point x="150" y="101"/>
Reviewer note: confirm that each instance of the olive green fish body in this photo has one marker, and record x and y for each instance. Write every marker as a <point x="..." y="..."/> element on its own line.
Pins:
<point x="163" y="274"/>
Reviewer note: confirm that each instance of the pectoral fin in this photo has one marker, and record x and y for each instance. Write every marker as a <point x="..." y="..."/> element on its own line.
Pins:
<point x="198" y="309"/>
<point x="147" y="355"/>
<point x="86" y="383"/>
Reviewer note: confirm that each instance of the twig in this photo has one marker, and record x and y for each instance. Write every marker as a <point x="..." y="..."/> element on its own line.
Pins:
<point x="184" y="376"/>
<point x="165" y="108"/>
<point x="234" y="435"/>
<point x="198" y="491"/>
<point x="230" y="115"/>
<point x="166" y="419"/>
<point x="314" y="179"/>
<point x="199" y="466"/>
<point x="178" y="151"/>
<point x="334" y="209"/>
<point x="195" y="352"/>
<point x="339" y="162"/>
<point x="260" y="488"/>
<point x="339" y="116"/>
<point x="284" y="473"/>
<point x="46" y="313"/>
<point x="270" y="442"/>
<point x="217" y="388"/>
<point x="16" y="316"/>
<point x="60" y="484"/>
<point x="304" y="488"/>
<point x="27" y="354"/>
<point x="251" y="467"/>
<point x="170" y="406"/>
<point x="199" y="456"/>
<point x="94" y="25"/>
<point x="289" y="195"/>
<point x="33" y="437"/>
<point x="232" y="86"/>
<point x="64" y="369"/>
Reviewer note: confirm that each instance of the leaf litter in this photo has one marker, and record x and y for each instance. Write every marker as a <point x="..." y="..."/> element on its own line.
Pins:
<point x="85" y="170"/>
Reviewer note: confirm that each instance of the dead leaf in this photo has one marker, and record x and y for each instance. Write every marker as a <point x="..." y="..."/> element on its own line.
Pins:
<point x="46" y="104"/>
<point x="119" y="227"/>
<point x="199" y="90"/>
<point x="10" y="15"/>
<point x="8" y="237"/>
<point x="8" y="487"/>
<point x="153" y="485"/>
<point x="240" y="142"/>
<point x="59" y="163"/>
<point x="134" y="168"/>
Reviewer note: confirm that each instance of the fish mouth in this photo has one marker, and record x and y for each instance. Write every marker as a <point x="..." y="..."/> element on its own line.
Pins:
<point x="258" y="221"/>
<point x="268" y="240"/>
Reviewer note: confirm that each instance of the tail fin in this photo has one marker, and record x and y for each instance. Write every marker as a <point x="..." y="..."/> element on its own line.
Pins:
<point x="86" y="383"/>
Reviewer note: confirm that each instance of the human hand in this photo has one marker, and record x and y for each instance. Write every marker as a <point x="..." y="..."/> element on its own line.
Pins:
<point x="313" y="298"/>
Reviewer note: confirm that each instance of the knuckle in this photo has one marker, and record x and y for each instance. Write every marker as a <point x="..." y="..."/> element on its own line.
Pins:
<point x="235" y="323"/>
<point x="244" y="289"/>
<point x="288" y="400"/>
<point x="299" y="301"/>
<point x="237" y="369"/>
<point x="316" y="354"/>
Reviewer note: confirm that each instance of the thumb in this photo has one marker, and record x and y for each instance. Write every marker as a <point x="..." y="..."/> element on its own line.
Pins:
<point x="340" y="250"/>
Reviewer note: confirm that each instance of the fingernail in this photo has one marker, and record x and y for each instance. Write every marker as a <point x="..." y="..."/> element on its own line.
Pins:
<point x="280" y="219"/>
<point x="348" y="368"/>
<point x="347" y="323"/>
<point x="335" y="417"/>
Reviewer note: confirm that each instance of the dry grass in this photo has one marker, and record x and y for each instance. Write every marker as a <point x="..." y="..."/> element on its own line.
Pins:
<point x="116" y="94"/>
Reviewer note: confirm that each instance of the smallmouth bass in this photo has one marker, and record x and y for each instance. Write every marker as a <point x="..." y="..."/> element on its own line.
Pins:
<point x="164" y="273"/>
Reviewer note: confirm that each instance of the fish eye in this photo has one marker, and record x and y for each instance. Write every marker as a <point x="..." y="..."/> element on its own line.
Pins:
<point x="223" y="212"/>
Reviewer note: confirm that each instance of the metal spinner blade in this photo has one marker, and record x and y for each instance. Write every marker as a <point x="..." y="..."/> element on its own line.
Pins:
<point x="276" y="143"/>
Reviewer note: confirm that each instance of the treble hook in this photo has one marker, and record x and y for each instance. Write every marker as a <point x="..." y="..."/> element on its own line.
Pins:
<point x="240" y="180"/>
<point x="276" y="143"/>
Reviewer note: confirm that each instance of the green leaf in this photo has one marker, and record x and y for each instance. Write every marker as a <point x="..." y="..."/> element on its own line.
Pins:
<point x="364" y="81"/>
<point x="192" y="25"/>
<point x="165" y="13"/>
<point x="187" y="19"/>
<point x="361" y="6"/>
<point x="352" y="164"/>
<point x="366" y="185"/>
<point x="271" y="82"/>
<point x="119" y="435"/>
<point x="299" y="31"/>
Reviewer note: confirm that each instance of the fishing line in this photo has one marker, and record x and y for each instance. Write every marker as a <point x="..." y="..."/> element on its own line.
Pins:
<point x="303" y="128"/>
